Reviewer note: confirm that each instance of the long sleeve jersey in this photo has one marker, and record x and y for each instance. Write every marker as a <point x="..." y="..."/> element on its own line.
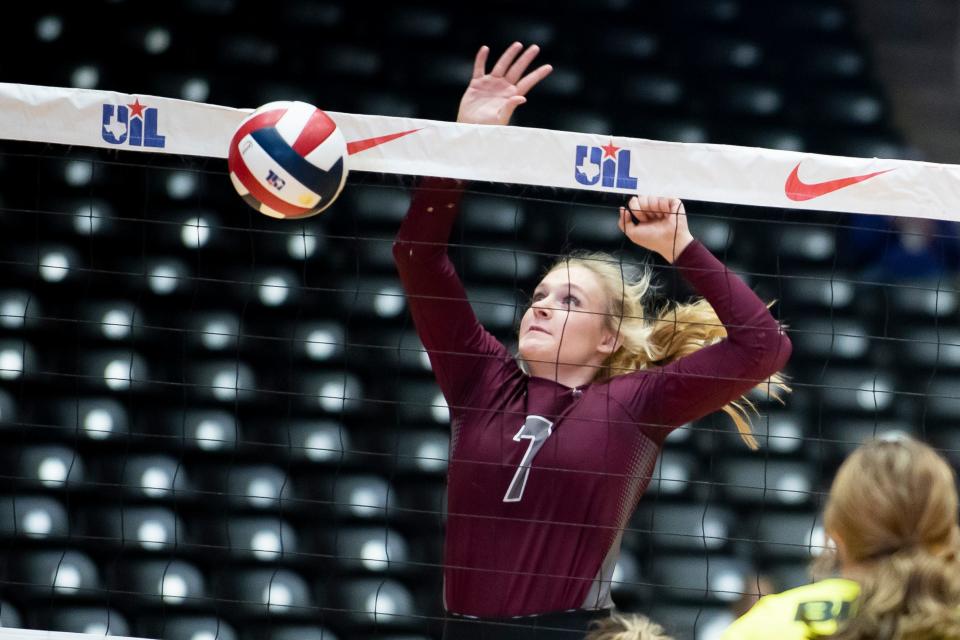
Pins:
<point x="543" y="478"/>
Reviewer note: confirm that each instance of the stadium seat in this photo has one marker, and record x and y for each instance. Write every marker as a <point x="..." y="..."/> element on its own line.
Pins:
<point x="367" y="549"/>
<point x="774" y="137"/>
<point x="319" y="341"/>
<point x="423" y="503"/>
<point x="498" y="309"/>
<point x="674" y="475"/>
<point x="627" y="583"/>
<point x="942" y="396"/>
<point x="381" y="602"/>
<point x="493" y="214"/>
<point x="630" y="42"/>
<point x="852" y="108"/>
<point x="244" y="487"/>
<point x="9" y="616"/>
<point x="766" y="481"/>
<point x="750" y="100"/>
<point x="422" y="403"/>
<point x="781" y="431"/>
<point x="333" y="392"/>
<point x="49" y="466"/>
<point x="206" y="430"/>
<point x="277" y="592"/>
<point x="817" y="292"/>
<point x="931" y="348"/>
<point x="652" y="90"/>
<point x="830" y="339"/>
<point x="245" y="538"/>
<point x="116" y="370"/>
<point x="321" y="442"/>
<point x="149" y="528"/>
<point x="363" y="497"/>
<point x="922" y="300"/>
<point x="725" y="54"/>
<point x="581" y="121"/>
<point x="35" y="517"/>
<point x="372" y="298"/>
<point x="696" y="577"/>
<point x="170" y="583"/>
<point x="807" y="245"/>
<point x="18" y="360"/>
<point x="690" y="527"/>
<point x="397" y="349"/>
<point x="786" y="535"/>
<point x="831" y="61"/>
<point x="173" y="626"/>
<point x="423" y="451"/>
<point x="98" y="622"/>
<point x="19" y="309"/>
<point x="291" y="632"/>
<point x="504" y="264"/>
<point x="862" y="391"/>
<point x="65" y="573"/>
<point x="155" y="477"/>
<point x="842" y="436"/>
<point x="95" y="418"/>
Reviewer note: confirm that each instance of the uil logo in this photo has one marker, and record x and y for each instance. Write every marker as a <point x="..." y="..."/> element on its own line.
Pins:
<point x="607" y="165"/>
<point x="133" y="125"/>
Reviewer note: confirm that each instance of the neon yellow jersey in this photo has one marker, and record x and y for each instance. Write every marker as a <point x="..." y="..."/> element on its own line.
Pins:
<point x="811" y="611"/>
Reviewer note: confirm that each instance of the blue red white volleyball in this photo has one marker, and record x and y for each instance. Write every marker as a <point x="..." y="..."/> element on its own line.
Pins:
<point x="288" y="160"/>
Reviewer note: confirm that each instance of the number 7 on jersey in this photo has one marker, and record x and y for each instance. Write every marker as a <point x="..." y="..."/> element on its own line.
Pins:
<point x="535" y="429"/>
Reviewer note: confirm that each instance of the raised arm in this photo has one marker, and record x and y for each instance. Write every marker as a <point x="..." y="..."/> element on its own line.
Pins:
<point x="444" y="320"/>
<point x="755" y="347"/>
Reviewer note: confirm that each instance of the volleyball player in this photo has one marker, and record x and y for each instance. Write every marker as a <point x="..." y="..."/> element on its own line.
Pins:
<point x="551" y="452"/>
<point x="627" y="627"/>
<point x="892" y="513"/>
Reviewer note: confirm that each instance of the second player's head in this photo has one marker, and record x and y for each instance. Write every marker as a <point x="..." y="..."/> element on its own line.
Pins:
<point x="892" y="512"/>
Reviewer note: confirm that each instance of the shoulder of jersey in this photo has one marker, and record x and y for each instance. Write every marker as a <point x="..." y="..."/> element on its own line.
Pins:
<point x="811" y="611"/>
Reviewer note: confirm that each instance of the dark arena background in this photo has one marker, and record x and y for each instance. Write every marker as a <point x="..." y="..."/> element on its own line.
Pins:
<point x="216" y="425"/>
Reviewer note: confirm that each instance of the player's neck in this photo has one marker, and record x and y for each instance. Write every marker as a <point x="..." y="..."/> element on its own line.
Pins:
<point x="571" y="376"/>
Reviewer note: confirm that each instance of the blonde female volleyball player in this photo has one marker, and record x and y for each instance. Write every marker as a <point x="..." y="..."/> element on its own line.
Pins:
<point x="547" y="465"/>
<point x="892" y="512"/>
<point x="627" y="627"/>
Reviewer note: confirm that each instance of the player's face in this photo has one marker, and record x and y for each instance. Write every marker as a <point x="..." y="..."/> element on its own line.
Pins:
<point x="566" y="322"/>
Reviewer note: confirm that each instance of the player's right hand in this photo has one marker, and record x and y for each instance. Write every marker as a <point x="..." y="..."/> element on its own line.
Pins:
<point x="658" y="224"/>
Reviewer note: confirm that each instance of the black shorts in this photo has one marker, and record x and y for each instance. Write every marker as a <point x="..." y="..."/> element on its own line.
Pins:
<point x="563" y="625"/>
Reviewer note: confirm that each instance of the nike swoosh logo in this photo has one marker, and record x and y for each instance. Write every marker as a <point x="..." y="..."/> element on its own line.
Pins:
<point x="798" y="190"/>
<point x="362" y="145"/>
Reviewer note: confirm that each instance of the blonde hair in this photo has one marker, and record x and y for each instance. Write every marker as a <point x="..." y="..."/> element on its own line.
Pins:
<point x="893" y="507"/>
<point x="632" y="627"/>
<point x="676" y="330"/>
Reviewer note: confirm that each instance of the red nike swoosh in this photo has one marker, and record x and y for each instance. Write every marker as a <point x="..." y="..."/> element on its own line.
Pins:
<point x="798" y="190"/>
<point x="362" y="145"/>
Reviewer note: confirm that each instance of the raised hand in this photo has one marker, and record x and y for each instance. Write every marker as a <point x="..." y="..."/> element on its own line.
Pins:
<point x="657" y="224"/>
<point x="492" y="97"/>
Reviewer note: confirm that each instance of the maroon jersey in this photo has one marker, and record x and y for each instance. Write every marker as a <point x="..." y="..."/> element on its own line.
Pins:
<point x="543" y="478"/>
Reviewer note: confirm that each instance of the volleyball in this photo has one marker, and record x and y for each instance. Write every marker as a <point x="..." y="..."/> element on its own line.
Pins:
<point x="287" y="160"/>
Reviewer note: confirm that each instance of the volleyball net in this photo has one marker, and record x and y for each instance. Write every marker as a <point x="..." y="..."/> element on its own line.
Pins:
<point x="219" y="423"/>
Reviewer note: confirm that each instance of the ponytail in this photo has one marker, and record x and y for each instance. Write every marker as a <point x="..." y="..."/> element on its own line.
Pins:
<point x="910" y="594"/>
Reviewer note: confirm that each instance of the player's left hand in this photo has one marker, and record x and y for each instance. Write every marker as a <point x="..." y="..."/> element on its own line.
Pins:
<point x="491" y="98"/>
<point x="657" y="224"/>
